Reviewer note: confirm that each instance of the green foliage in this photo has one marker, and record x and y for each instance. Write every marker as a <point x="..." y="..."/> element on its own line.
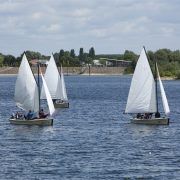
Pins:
<point x="92" y="53"/>
<point x="81" y="55"/>
<point x="168" y="61"/>
<point x="176" y="56"/>
<point x="129" y="55"/>
<point x="1" y="60"/>
<point x="33" y="55"/>
<point x="87" y="59"/>
<point x="9" y="60"/>
<point x="162" y="55"/>
<point x="61" y="54"/>
<point x="110" y="56"/>
<point x="129" y="70"/>
<point x="72" y="53"/>
<point x="178" y="75"/>
<point x="102" y="61"/>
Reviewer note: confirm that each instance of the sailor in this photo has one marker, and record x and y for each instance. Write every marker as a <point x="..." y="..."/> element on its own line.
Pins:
<point x="42" y="114"/>
<point x="30" y="115"/>
<point x="157" y="115"/>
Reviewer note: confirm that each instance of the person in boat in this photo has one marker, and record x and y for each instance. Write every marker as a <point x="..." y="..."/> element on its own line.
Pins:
<point x="150" y="115"/>
<point x="30" y="115"/>
<point x="59" y="101"/>
<point x="18" y="115"/>
<point x="42" y="114"/>
<point x="146" y="116"/>
<point x="139" y="116"/>
<point x="12" y="116"/>
<point x="157" y="115"/>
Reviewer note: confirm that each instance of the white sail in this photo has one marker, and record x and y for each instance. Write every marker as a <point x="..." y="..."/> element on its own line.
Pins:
<point x="141" y="98"/>
<point x="163" y="94"/>
<point x="48" y="96"/>
<point x="53" y="80"/>
<point x="26" y="90"/>
<point x="64" y="94"/>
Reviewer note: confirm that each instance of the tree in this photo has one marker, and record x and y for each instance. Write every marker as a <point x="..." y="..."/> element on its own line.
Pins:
<point x="67" y="54"/>
<point x="56" y="58"/>
<point x="129" y="55"/>
<point x="92" y="53"/>
<point x="18" y="60"/>
<point x="151" y="59"/>
<point x="85" y="58"/>
<point x="81" y="55"/>
<point x="162" y="55"/>
<point x="1" y="60"/>
<point x="61" y="54"/>
<point x="32" y="55"/>
<point x="175" y="56"/>
<point x="67" y="58"/>
<point x="72" y="53"/>
<point x="76" y="61"/>
<point x="9" y="60"/>
<point x="150" y="55"/>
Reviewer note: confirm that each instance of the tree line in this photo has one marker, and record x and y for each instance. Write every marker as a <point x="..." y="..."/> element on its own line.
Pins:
<point x="168" y="60"/>
<point x="66" y="58"/>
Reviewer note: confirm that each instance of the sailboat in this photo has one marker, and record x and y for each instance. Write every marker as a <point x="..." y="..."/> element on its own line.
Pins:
<point x="27" y="95"/>
<point x="56" y="85"/>
<point x="143" y="94"/>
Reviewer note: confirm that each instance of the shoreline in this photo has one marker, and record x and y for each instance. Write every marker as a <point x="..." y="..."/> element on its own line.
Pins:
<point x="77" y="71"/>
<point x="97" y="74"/>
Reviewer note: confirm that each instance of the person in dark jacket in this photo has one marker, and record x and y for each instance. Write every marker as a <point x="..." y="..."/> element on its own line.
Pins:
<point x="42" y="114"/>
<point x="30" y="115"/>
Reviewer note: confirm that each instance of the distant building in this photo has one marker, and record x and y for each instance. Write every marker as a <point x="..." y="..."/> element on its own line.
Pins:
<point x="43" y="62"/>
<point x="117" y="63"/>
<point x="96" y="62"/>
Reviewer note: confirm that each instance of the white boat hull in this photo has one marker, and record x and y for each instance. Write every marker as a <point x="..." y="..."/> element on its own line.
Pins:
<point x="61" y="105"/>
<point x="153" y="121"/>
<point x="39" y="122"/>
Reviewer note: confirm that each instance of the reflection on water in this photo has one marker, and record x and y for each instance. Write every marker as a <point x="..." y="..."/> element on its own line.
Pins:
<point x="142" y="130"/>
<point x="92" y="139"/>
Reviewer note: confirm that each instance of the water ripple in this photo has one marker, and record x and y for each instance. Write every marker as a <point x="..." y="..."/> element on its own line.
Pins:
<point x="92" y="139"/>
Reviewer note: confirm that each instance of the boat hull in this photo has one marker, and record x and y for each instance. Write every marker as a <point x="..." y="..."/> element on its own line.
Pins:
<point x="61" y="105"/>
<point x="153" y="121"/>
<point x="39" y="122"/>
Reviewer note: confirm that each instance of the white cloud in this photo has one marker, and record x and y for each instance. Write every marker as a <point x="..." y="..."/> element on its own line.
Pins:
<point x="37" y="15"/>
<point x="109" y="25"/>
<point x="81" y="13"/>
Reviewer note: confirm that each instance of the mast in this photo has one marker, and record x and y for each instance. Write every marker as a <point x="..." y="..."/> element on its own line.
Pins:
<point x="157" y="112"/>
<point x="38" y="64"/>
<point x="155" y="78"/>
<point x="67" y="67"/>
<point x="147" y="55"/>
<point x="60" y="69"/>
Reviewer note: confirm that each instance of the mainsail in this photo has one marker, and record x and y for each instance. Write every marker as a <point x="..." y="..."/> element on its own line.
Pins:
<point x="163" y="94"/>
<point x="142" y="94"/>
<point x="64" y="94"/>
<point x="48" y="96"/>
<point x="26" y="90"/>
<point x="53" y="81"/>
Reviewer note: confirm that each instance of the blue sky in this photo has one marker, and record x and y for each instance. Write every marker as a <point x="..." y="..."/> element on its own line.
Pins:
<point x="110" y="26"/>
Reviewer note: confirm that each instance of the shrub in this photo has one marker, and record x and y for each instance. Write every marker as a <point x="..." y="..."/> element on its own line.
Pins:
<point x="178" y="75"/>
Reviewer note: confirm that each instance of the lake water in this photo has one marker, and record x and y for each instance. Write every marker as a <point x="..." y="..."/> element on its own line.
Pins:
<point x="92" y="139"/>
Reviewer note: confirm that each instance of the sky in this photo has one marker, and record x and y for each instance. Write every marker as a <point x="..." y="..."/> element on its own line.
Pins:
<point x="110" y="26"/>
